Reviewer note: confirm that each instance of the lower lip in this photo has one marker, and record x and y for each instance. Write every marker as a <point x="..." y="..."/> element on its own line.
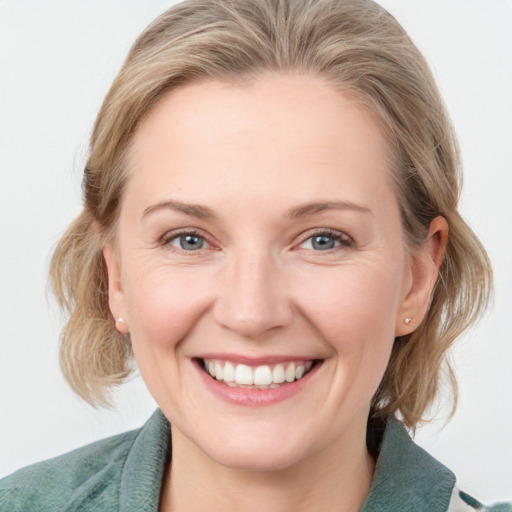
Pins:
<point x="255" y="397"/>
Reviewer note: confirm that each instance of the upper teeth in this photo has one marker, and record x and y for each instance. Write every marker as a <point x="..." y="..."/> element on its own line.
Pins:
<point x="264" y="375"/>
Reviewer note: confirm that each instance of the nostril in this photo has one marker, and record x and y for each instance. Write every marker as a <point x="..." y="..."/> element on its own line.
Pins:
<point x="252" y="319"/>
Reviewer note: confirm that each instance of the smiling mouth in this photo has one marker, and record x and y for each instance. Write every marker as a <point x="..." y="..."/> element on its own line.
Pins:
<point x="256" y="377"/>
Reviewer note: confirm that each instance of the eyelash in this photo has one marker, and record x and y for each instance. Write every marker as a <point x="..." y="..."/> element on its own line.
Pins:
<point x="344" y="240"/>
<point x="175" y="235"/>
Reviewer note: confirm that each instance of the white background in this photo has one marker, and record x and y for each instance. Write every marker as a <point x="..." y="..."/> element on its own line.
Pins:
<point x="57" y="60"/>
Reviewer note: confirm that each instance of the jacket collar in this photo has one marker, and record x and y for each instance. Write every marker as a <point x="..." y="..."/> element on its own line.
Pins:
<point x="144" y="468"/>
<point x="406" y="476"/>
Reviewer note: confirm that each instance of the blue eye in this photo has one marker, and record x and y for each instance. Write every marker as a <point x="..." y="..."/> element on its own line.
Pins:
<point x="187" y="242"/>
<point x="325" y="241"/>
<point x="322" y="242"/>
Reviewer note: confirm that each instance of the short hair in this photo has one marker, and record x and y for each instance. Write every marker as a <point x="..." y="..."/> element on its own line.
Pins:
<point x="359" y="48"/>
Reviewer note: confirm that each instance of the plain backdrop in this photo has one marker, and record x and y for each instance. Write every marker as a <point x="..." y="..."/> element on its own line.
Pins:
<point x="57" y="60"/>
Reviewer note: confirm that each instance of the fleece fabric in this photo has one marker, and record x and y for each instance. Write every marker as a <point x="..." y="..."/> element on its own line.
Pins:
<point x="124" y="473"/>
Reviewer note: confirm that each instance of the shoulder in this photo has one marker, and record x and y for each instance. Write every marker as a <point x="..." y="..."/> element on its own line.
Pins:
<point x="52" y="484"/>
<point x="122" y="472"/>
<point x="406" y="475"/>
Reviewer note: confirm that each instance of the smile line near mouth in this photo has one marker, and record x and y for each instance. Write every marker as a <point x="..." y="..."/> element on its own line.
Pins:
<point x="256" y="377"/>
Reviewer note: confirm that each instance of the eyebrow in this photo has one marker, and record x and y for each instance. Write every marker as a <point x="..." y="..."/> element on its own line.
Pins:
<point x="193" y="210"/>
<point x="319" y="207"/>
<point x="297" y="212"/>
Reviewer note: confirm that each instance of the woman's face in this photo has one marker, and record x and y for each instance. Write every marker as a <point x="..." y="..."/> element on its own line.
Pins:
<point x="260" y="238"/>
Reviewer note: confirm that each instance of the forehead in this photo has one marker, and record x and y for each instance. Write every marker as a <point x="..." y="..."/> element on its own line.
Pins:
<point x="293" y="131"/>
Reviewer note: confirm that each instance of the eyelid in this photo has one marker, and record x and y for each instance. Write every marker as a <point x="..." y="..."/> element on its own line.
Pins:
<point x="169" y="236"/>
<point x="345" y="240"/>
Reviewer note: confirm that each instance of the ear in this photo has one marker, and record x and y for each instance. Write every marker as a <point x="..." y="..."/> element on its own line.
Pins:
<point x="424" y="266"/>
<point x="115" y="290"/>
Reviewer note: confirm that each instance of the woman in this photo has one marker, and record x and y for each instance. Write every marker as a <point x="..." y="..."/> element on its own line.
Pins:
<point x="271" y="228"/>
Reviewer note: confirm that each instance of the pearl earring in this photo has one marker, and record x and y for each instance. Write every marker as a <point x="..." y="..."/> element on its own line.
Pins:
<point x="408" y="320"/>
<point x="120" y="320"/>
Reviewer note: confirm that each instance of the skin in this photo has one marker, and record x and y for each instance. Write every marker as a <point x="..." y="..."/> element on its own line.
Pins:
<point x="258" y="286"/>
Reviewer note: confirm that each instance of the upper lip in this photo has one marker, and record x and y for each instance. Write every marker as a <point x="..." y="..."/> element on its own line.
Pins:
<point x="255" y="361"/>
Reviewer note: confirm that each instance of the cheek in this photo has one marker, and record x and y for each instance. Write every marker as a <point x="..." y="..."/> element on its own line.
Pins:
<point x="355" y="313"/>
<point x="354" y="308"/>
<point x="163" y="306"/>
<point x="357" y="300"/>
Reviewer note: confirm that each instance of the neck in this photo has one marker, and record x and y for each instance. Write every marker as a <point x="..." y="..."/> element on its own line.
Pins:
<point x="336" y="479"/>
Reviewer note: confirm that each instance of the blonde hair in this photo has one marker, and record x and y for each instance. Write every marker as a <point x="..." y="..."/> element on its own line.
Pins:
<point x="357" y="46"/>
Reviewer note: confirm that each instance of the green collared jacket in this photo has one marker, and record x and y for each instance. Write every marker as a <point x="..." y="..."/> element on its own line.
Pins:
<point x="124" y="473"/>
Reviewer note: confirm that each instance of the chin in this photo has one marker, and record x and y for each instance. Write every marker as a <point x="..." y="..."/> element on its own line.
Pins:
<point x="256" y="459"/>
<point x="264" y="452"/>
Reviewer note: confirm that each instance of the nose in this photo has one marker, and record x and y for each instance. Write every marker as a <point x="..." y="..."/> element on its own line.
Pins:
<point x="252" y="299"/>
